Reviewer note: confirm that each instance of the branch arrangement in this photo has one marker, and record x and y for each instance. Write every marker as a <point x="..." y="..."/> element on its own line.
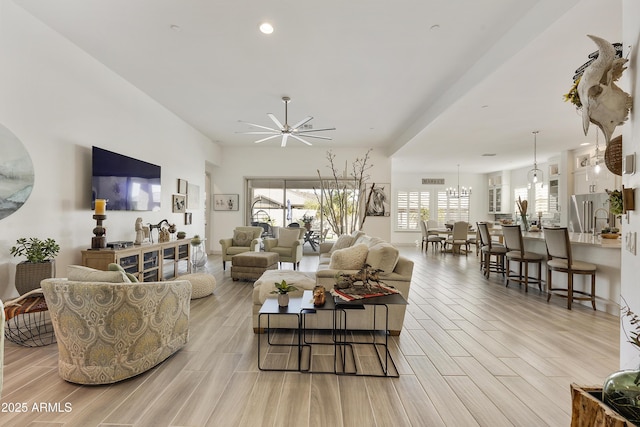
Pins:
<point x="342" y="195"/>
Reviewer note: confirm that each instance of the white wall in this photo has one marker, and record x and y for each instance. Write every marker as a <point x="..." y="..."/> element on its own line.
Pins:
<point x="630" y="82"/>
<point x="291" y="162"/>
<point x="59" y="102"/>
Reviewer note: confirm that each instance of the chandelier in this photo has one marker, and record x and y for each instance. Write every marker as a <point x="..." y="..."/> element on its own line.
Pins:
<point x="535" y="175"/>
<point x="458" y="191"/>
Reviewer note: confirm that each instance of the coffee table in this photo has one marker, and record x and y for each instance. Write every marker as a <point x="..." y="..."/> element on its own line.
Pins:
<point x="344" y="358"/>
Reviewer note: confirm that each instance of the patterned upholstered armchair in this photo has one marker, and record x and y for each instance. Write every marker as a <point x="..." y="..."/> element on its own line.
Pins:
<point x="108" y="332"/>
<point x="244" y="239"/>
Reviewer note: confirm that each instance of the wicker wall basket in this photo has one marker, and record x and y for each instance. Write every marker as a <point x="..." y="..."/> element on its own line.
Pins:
<point x="613" y="155"/>
<point x="30" y="274"/>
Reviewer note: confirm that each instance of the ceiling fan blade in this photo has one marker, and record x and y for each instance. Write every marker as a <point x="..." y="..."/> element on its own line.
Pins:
<point x="261" y="132"/>
<point x="314" y="130"/>
<point x="301" y="122"/>
<point x="284" y="140"/>
<point x="276" y="121"/>
<point x="300" y="139"/>
<point x="259" y="126"/>
<point x="316" y="136"/>
<point x="267" y="138"/>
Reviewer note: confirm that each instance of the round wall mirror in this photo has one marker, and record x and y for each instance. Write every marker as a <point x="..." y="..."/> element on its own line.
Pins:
<point x="16" y="173"/>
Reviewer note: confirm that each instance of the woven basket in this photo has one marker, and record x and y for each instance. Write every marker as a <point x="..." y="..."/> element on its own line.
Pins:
<point x="30" y="274"/>
<point x="613" y="155"/>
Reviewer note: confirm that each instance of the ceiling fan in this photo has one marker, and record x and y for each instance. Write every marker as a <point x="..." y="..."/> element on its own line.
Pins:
<point x="296" y="131"/>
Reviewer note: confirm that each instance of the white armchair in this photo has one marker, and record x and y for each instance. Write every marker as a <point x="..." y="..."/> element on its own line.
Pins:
<point x="288" y="245"/>
<point x="244" y="239"/>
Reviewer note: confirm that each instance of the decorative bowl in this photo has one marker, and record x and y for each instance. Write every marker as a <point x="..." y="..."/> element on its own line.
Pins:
<point x="610" y="235"/>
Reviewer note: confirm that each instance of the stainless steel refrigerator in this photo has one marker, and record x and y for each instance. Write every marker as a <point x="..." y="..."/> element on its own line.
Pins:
<point x="589" y="212"/>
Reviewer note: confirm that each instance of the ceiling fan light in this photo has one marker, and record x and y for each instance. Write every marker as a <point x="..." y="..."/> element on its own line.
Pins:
<point x="266" y="28"/>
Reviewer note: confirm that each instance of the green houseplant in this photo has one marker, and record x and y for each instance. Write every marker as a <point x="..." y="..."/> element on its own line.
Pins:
<point x="40" y="263"/>
<point x="283" y="289"/>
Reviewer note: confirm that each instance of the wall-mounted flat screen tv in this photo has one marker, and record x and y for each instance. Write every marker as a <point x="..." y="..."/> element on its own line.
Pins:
<point x="126" y="183"/>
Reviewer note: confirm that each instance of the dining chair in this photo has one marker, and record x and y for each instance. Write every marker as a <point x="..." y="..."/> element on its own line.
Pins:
<point x="561" y="260"/>
<point x="427" y="237"/>
<point x="458" y="237"/>
<point x="514" y="243"/>
<point x="488" y="250"/>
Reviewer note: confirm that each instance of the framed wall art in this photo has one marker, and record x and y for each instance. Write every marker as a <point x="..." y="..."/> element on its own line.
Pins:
<point x="193" y="196"/>
<point x="377" y="200"/>
<point x="226" y="202"/>
<point x="188" y="218"/>
<point x="182" y="186"/>
<point x="178" y="203"/>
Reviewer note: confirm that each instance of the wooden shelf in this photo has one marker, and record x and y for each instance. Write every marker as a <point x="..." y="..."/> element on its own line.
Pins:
<point x="149" y="262"/>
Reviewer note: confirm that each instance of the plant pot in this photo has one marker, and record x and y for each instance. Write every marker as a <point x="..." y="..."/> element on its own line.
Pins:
<point x="621" y="391"/>
<point x="30" y="274"/>
<point x="283" y="300"/>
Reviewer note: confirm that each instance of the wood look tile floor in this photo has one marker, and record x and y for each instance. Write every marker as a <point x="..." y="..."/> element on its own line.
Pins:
<point x="472" y="352"/>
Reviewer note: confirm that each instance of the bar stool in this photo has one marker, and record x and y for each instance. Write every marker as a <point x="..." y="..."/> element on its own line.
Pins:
<point x="488" y="250"/>
<point x="560" y="259"/>
<point x="512" y="235"/>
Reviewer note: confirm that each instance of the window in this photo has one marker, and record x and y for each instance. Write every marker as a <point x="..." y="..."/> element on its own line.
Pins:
<point x="523" y="194"/>
<point x="411" y="206"/>
<point x="542" y="198"/>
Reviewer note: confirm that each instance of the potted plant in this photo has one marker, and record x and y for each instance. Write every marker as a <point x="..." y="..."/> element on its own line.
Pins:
<point x="40" y="263"/>
<point x="307" y="220"/>
<point x="283" y="289"/>
<point x="181" y="235"/>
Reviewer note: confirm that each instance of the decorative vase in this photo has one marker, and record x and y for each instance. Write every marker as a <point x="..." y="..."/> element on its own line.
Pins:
<point x="621" y="391"/>
<point x="283" y="300"/>
<point x="30" y="274"/>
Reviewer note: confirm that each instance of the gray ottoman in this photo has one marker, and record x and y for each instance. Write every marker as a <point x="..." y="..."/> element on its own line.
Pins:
<point x="251" y="265"/>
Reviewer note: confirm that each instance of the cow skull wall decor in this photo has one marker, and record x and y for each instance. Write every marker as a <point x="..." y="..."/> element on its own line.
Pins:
<point x="603" y="103"/>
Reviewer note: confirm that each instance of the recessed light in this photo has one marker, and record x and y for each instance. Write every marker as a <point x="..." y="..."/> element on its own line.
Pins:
<point x="485" y="106"/>
<point x="435" y="27"/>
<point x="175" y="27"/>
<point x="488" y="154"/>
<point x="585" y="143"/>
<point x="266" y="28"/>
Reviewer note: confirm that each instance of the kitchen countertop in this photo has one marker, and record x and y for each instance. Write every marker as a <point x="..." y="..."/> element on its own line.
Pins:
<point x="586" y="239"/>
<point x="581" y="239"/>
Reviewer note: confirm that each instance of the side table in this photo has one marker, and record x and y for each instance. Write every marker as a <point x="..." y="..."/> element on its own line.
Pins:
<point x="380" y="346"/>
<point x="269" y="308"/>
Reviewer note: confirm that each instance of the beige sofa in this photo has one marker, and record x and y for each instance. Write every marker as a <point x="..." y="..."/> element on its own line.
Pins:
<point x="378" y="253"/>
<point x="108" y="332"/>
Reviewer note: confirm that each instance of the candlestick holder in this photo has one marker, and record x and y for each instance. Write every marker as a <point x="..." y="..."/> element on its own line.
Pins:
<point x="99" y="241"/>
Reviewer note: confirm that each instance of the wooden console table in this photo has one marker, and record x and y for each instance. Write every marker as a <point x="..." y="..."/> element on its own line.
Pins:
<point x="148" y="262"/>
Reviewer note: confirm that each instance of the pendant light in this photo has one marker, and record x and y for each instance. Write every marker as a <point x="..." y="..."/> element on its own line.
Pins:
<point x="457" y="192"/>
<point x="535" y="175"/>
<point x="598" y="158"/>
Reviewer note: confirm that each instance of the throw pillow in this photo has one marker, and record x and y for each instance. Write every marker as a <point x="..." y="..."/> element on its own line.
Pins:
<point x="242" y="238"/>
<point x="351" y="258"/>
<point x="117" y="267"/>
<point x="286" y="237"/>
<point x="343" y="241"/>
<point x="383" y="256"/>
<point x="79" y="273"/>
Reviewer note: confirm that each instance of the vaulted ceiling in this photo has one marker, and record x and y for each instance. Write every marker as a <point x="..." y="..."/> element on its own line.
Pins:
<point x="431" y="83"/>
